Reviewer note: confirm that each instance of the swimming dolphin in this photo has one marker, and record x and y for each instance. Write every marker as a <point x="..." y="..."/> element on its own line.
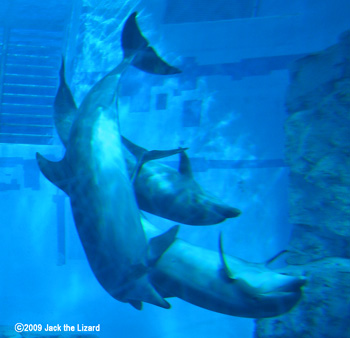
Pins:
<point x="94" y="175"/>
<point x="205" y="278"/>
<point x="160" y="189"/>
<point x="222" y="283"/>
<point x="174" y="194"/>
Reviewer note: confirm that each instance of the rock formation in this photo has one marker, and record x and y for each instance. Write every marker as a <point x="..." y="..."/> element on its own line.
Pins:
<point x="318" y="152"/>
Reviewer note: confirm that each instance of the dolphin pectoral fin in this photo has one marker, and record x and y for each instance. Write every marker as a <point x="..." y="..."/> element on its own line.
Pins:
<point x="145" y="57"/>
<point x="136" y="304"/>
<point x="145" y="292"/>
<point x="55" y="172"/>
<point x="165" y="293"/>
<point x="225" y="266"/>
<point x="159" y="244"/>
<point x="185" y="168"/>
<point x="272" y="259"/>
<point x="243" y="285"/>
<point x="157" y="299"/>
<point x="65" y="109"/>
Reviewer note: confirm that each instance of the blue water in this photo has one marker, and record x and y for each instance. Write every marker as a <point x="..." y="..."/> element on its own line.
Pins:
<point x="227" y="106"/>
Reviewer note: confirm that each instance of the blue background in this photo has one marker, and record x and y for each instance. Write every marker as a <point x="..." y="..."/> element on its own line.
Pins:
<point x="227" y="106"/>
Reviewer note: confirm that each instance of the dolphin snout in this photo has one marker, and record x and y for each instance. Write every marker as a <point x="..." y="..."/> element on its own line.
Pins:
<point x="294" y="284"/>
<point x="227" y="211"/>
<point x="291" y="284"/>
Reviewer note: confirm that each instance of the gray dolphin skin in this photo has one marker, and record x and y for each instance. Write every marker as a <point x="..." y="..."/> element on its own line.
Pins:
<point x="94" y="175"/>
<point x="159" y="189"/>
<point x="222" y="283"/>
<point x="174" y="194"/>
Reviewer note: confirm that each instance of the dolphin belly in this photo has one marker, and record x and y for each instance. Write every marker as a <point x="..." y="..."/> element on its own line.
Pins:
<point x="179" y="274"/>
<point x="104" y="207"/>
<point x="194" y="275"/>
<point x="197" y="276"/>
<point x="163" y="191"/>
<point x="93" y="173"/>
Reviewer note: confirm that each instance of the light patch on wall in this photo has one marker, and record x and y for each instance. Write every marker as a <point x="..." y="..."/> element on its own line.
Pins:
<point x="180" y="11"/>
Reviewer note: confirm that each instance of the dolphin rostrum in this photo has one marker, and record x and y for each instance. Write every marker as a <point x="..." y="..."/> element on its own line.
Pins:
<point x="222" y="283"/>
<point x="93" y="174"/>
<point x="159" y="189"/>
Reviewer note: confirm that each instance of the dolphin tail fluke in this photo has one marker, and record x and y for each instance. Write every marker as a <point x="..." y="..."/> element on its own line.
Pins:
<point x="143" y="155"/>
<point x="135" y="45"/>
<point x="56" y="172"/>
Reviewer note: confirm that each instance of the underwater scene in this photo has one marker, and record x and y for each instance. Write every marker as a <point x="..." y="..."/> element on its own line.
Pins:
<point x="175" y="168"/>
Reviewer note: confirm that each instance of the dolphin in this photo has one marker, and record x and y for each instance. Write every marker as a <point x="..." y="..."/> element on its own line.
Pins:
<point x="93" y="174"/>
<point x="159" y="189"/>
<point x="174" y="194"/>
<point x="174" y="267"/>
<point x="222" y="283"/>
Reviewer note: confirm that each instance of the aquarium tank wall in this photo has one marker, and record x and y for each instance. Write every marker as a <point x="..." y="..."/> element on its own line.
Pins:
<point x="261" y="105"/>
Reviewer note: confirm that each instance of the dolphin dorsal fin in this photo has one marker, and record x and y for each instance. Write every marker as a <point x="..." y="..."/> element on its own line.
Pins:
<point x="144" y="57"/>
<point x="185" y="168"/>
<point x="57" y="173"/>
<point x="159" y="244"/>
<point x="143" y="155"/>
<point x="224" y="264"/>
<point x="65" y="109"/>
